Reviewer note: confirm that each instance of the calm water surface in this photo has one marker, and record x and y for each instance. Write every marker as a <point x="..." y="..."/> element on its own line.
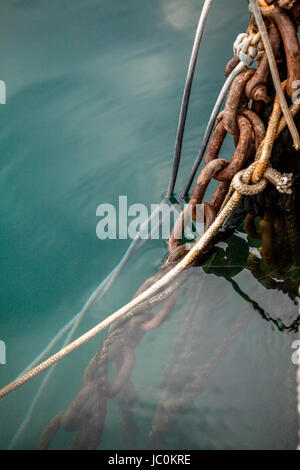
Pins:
<point x="93" y="96"/>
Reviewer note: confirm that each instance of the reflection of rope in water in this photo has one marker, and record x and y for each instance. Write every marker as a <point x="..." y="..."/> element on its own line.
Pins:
<point x="175" y="403"/>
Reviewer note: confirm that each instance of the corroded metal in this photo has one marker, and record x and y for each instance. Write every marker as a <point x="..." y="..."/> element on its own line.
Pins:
<point x="216" y="142"/>
<point x="241" y="153"/>
<point x="233" y="101"/>
<point x="257" y="126"/>
<point x="256" y="88"/>
<point x="290" y="40"/>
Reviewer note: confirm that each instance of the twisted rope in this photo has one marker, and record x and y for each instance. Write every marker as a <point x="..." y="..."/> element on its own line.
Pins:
<point x="152" y="294"/>
<point x="245" y="47"/>
<point x="268" y="142"/>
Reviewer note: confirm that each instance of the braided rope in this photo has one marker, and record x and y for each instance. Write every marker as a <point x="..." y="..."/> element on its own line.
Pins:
<point x="155" y="291"/>
<point x="134" y="304"/>
<point x="294" y="108"/>
<point x="266" y="148"/>
<point x="245" y="47"/>
<point x="142" y="299"/>
<point x="239" y="184"/>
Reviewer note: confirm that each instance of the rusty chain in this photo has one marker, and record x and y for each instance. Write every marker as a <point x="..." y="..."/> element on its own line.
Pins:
<point x="86" y="414"/>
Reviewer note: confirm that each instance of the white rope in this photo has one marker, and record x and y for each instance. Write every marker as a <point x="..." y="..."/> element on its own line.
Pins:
<point x="245" y="47"/>
<point x="158" y="290"/>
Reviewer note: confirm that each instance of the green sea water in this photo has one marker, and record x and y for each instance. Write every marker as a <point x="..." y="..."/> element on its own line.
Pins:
<point x="93" y="96"/>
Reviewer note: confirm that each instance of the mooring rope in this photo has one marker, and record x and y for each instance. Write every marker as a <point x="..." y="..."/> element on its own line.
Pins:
<point x="142" y="299"/>
<point x="246" y="55"/>
<point x="152" y="291"/>
<point x="105" y="285"/>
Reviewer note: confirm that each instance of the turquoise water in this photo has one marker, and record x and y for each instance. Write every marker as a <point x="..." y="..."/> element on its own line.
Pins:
<point x="93" y="96"/>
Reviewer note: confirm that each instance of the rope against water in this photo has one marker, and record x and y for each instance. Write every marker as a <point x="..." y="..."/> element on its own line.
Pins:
<point x="142" y="298"/>
<point x="132" y="305"/>
<point x="107" y="283"/>
<point x="101" y="290"/>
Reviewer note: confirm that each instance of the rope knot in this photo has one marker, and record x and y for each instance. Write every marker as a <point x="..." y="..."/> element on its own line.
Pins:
<point x="245" y="47"/>
<point x="240" y="185"/>
<point x="282" y="181"/>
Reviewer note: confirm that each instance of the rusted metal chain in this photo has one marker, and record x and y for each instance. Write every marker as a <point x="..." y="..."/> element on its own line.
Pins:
<point x="86" y="413"/>
<point x="233" y="101"/>
<point x="160" y="290"/>
<point x="257" y="126"/>
<point x="290" y="40"/>
<point x="242" y="151"/>
<point x="256" y="88"/>
<point x="274" y="71"/>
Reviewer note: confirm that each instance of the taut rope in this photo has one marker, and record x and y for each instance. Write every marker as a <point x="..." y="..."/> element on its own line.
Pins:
<point x="259" y="171"/>
<point x="146" y="296"/>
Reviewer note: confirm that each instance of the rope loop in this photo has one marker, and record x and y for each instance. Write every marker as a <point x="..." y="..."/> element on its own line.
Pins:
<point x="239" y="184"/>
<point x="282" y="181"/>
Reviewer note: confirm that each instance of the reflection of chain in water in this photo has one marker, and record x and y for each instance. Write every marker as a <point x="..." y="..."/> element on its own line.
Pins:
<point x="106" y="285"/>
<point x="87" y="413"/>
<point x="180" y="391"/>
